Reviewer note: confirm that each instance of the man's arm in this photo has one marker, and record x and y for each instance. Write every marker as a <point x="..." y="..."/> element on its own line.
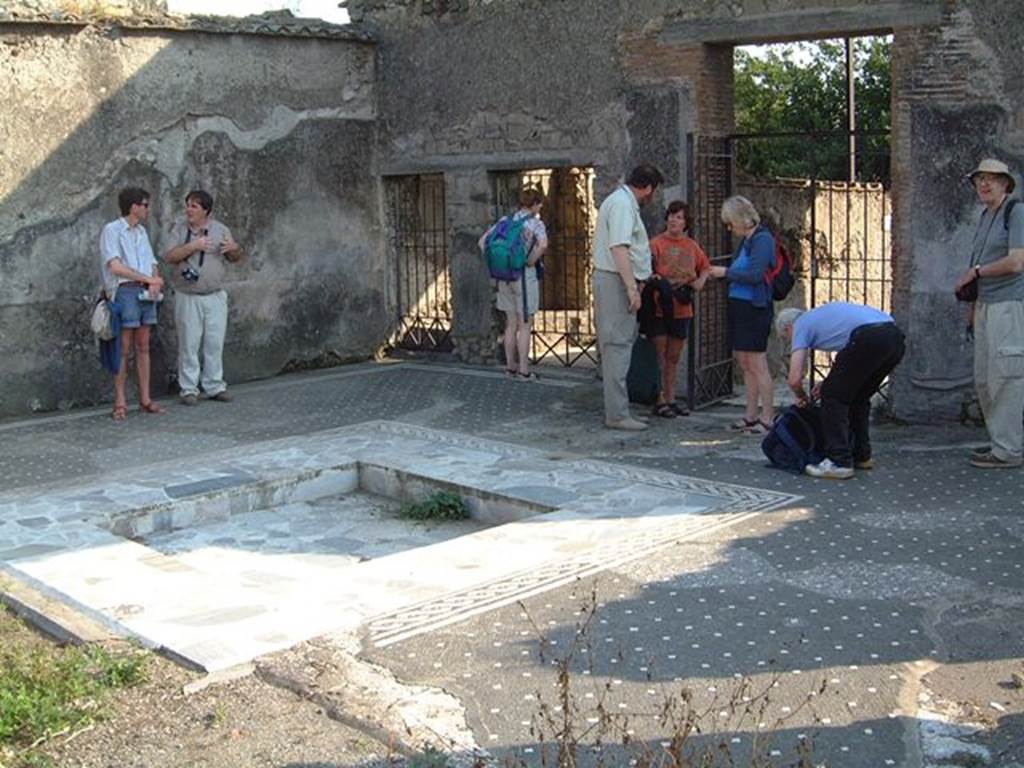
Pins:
<point x="120" y="269"/>
<point x="625" y="269"/>
<point x="230" y="249"/>
<point x="540" y="247"/>
<point x="181" y="252"/>
<point x="795" y="379"/>
<point x="1011" y="264"/>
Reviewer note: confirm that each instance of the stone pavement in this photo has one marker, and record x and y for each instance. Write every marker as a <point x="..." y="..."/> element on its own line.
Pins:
<point x="877" y="620"/>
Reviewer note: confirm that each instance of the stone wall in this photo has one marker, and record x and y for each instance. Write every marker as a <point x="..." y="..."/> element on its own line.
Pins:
<point x="292" y="135"/>
<point x="280" y="128"/>
<point x="607" y="84"/>
<point x="569" y="88"/>
<point x="958" y="97"/>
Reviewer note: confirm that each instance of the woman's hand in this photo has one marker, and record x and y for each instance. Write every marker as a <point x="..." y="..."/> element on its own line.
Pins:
<point x="717" y="271"/>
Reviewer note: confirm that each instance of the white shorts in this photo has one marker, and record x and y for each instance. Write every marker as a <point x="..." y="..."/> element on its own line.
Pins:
<point x="510" y="295"/>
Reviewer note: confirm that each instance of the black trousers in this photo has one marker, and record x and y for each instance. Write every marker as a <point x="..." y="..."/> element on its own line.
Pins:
<point x="857" y="372"/>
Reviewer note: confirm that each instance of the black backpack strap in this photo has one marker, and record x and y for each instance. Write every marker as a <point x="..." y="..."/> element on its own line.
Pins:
<point x="1010" y="205"/>
<point x="526" y="308"/>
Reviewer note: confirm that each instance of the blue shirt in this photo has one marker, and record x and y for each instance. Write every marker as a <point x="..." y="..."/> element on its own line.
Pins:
<point x="754" y="257"/>
<point x="829" y="326"/>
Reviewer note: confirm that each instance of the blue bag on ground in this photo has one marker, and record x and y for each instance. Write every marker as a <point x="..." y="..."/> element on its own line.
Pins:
<point x="796" y="439"/>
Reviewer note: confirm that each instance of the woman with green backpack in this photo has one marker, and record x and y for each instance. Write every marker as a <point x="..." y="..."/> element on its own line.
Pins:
<point x="513" y="246"/>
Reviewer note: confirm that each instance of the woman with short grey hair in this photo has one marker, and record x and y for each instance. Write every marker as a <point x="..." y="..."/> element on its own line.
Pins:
<point x="740" y="211"/>
<point x="750" y="310"/>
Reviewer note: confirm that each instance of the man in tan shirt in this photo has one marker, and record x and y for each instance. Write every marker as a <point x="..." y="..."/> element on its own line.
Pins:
<point x="203" y="247"/>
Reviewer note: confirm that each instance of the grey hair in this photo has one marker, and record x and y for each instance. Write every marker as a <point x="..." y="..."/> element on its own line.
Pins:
<point x="786" y="318"/>
<point x="738" y="210"/>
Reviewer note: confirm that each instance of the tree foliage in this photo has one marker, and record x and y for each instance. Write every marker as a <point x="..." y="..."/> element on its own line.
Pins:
<point x="801" y="87"/>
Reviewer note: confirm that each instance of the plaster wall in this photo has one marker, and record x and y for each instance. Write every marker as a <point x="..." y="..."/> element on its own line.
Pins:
<point x="279" y="129"/>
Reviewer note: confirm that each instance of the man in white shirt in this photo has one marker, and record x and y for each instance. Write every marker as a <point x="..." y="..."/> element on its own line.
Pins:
<point x="131" y="279"/>
<point x="622" y="260"/>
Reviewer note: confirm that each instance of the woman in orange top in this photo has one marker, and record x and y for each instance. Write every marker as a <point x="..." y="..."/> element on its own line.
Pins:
<point x="678" y="259"/>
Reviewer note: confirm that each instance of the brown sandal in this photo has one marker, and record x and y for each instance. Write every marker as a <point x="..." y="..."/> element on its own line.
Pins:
<point x="151" y="407"/>
<point x="119" y="413"/>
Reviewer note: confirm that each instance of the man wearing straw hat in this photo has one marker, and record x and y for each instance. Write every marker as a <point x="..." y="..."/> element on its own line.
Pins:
<point x="997" y="264"/>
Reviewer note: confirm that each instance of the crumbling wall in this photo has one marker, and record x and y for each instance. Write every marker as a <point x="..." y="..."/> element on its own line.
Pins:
<point x="279" y="127"/>
<point x="609" y="83"/>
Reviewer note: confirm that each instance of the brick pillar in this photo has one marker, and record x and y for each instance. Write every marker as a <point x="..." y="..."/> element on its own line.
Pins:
<point x="680" y="87"/>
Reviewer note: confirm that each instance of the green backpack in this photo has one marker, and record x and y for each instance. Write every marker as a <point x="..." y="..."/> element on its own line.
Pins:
<point x="506" y="249"/>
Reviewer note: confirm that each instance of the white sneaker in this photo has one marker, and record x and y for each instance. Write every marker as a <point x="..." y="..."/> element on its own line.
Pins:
<point x="826" y="469"/>
<point x="630" y="425"/>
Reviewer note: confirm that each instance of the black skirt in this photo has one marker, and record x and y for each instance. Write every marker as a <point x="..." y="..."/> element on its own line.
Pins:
<point x="749" y="326"/>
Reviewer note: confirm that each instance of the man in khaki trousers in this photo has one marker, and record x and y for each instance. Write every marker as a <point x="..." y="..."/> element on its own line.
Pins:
<point x="997" y="263"/>
<point x="622" y="260"/>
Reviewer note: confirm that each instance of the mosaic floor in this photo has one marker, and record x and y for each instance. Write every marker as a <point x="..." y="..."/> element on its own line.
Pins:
<point x="192" y="603"/>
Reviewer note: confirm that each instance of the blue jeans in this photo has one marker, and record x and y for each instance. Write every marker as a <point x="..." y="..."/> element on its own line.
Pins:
<point x="135" y="313"/>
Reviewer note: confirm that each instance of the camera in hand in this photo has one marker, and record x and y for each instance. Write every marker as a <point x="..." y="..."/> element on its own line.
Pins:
<point x="968" y="292"/>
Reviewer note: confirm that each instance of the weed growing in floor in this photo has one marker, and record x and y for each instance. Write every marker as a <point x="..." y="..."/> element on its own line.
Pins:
<point x="47" y="690"/>
<point x="440" y="505"/>
<point x="578" y="725"/>
<point x="677" y="731"/>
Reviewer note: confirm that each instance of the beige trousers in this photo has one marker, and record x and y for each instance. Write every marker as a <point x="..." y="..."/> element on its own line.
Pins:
<point x="202" y="323"/>
<point x="616" y="332"/>
<point x="999" y="374"/>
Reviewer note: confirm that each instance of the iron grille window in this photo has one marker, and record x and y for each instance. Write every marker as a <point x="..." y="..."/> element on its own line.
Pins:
<point x="419" y="232"/>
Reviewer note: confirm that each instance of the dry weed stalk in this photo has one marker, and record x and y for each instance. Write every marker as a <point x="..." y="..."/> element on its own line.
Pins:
<point x="569" y="735"/>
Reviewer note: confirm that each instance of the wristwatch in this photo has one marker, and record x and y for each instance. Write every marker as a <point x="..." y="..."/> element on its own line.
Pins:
<point x="977" y="270"/>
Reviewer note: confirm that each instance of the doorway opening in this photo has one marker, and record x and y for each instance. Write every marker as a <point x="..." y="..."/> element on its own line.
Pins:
<point x="564" y="332"/>
<point x="810" y="149"/>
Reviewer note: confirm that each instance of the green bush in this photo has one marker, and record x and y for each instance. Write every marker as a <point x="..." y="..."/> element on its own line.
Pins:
<point x="45" y="690"/>
<point x="429" y="758"/>
<point x="441" y="505"/>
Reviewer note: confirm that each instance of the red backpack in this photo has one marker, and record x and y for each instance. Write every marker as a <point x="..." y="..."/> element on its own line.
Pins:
<point x="780" y="277"/>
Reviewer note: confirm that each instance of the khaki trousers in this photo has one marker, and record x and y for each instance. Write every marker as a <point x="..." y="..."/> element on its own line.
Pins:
<point x="999" y="374"/>
<point x="202" y="323"/>
<point x="616" y="333"/>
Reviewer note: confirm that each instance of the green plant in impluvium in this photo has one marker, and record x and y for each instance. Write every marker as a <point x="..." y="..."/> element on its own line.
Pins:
<point x="440" y="505"/>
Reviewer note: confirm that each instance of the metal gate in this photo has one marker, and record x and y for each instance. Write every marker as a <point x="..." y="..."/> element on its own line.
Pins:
<point x="709" y="356"/>
<point x="418" y="225"/>
<point x="837" y="231"/>
<point x="563" y="329"/>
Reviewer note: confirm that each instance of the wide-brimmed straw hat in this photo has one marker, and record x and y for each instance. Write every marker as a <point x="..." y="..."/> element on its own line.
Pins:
<point x="991" y="165"/>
